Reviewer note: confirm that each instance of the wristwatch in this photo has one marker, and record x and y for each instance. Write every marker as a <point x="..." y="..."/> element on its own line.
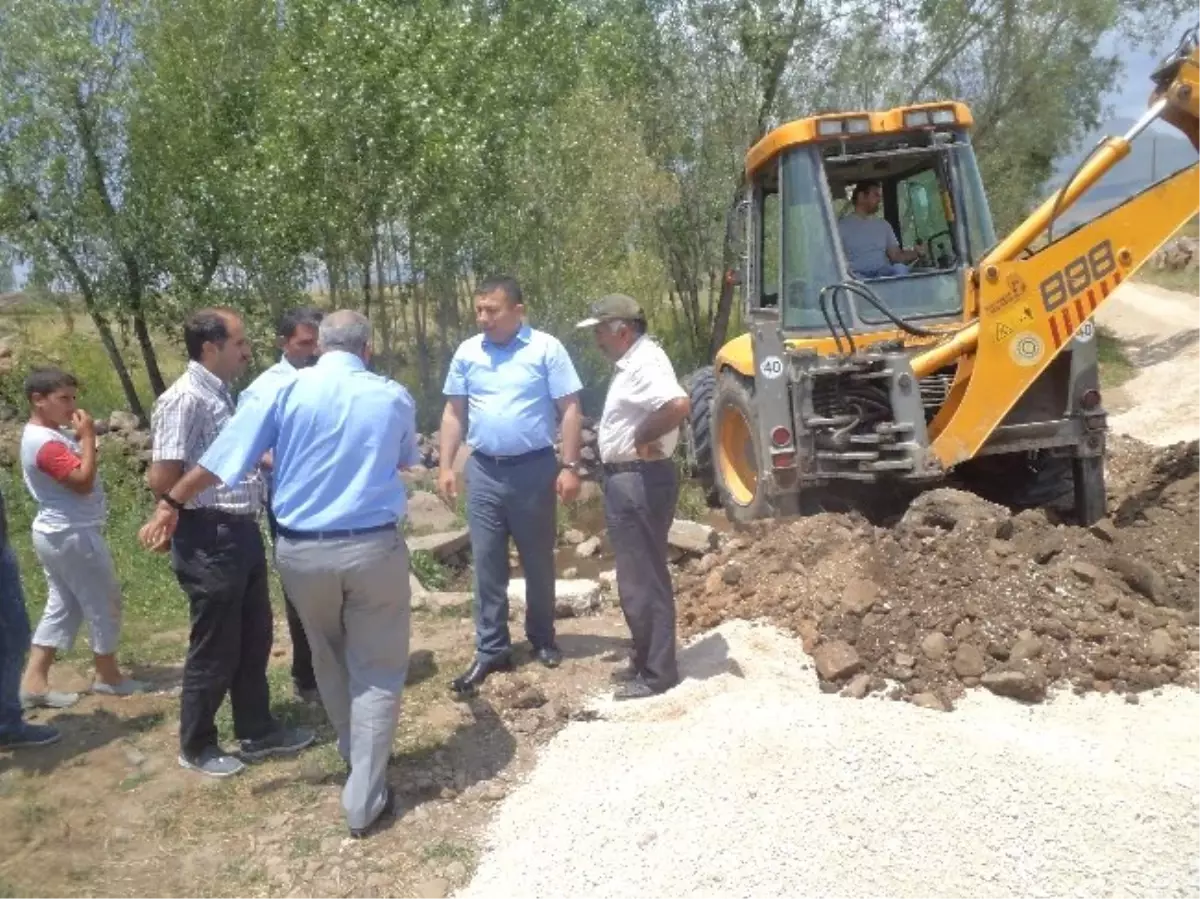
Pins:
<point x="172" y="502"/>
<point x="576" y="467"/>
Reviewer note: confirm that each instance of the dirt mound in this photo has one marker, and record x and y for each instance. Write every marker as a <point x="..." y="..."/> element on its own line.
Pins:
<point x="961" y="592"/>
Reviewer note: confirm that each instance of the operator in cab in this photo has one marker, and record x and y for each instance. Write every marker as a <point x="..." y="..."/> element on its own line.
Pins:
<point x="868" y="239"/>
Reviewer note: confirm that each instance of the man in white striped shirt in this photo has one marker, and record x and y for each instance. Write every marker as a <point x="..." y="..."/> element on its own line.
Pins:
<point x="218" y="556"/>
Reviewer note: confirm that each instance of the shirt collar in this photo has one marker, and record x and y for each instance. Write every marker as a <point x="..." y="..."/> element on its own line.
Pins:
<point x="628" y="355"/>
<point x="524" y="333"/>
<point x="206" y="378"/>
<point x="341" y="359"/>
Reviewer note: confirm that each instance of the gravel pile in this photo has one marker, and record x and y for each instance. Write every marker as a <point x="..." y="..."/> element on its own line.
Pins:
<point x="747" y="780"/>
<point x="959" y="592"/>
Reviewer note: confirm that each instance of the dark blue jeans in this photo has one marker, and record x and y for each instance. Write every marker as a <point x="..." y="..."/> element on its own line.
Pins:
<point x="516" y="499"/>
<point x="14" y="640"/>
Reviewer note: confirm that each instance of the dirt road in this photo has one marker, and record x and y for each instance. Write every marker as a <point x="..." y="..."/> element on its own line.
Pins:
<point x="1161" y="333"/>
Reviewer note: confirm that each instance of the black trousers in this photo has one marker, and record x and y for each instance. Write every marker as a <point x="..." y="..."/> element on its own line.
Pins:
<point x="221" y="565"/>
<point x="303" y="677"/>
<point x="639" y="506"/>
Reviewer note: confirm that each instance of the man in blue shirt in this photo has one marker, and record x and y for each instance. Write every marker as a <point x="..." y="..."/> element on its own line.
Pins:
<point x="509" y="383"/>
<point x="296" y="334"/>
<point x="339" y="435"/>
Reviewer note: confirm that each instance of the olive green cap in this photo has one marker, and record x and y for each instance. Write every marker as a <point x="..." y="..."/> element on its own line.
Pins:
<point x="613" y="307"/>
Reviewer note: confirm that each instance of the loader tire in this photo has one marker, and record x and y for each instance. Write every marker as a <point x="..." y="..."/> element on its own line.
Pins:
<point x="1024" y="481"/>
<point x="700" y="386"/>
<point x="735" y="450"/>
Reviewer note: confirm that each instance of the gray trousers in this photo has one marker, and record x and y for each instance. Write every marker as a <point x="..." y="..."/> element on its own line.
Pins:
<point x="353" y="599"/>
<point x="81" y="586"/>
<point x="638" y="508"/>
<point x="512" y="498"/>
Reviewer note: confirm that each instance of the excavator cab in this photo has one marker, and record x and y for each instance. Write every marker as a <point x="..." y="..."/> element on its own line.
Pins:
<point x="892" y="339"/>
<point x="927" y="192"/>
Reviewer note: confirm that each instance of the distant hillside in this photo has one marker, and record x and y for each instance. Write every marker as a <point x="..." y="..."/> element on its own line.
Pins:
<point x="1155" y="154"/>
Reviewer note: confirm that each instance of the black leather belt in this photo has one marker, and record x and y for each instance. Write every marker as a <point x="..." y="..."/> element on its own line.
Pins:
<point x="632" y="465"/>
<point x="334" y="535"/>
<point x="199" y="513"/>
<point x="514" y="460"/>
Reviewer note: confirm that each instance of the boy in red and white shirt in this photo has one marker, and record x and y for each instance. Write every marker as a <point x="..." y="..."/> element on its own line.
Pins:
<point x="60" y="473"/>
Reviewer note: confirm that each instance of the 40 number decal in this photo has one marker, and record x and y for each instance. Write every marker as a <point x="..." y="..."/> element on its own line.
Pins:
<point x="1078" y="275"/>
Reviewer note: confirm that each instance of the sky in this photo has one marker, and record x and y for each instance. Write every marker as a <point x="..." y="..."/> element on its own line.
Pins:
<point x="1129" y="94"/>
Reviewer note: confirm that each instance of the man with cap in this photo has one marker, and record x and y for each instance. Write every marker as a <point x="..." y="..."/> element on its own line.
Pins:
<point x="638" y="432"/>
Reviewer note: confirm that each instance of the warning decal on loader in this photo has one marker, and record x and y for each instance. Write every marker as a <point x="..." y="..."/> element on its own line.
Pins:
<point x="1026" y="348"/>
<point x="1003" y="332"/>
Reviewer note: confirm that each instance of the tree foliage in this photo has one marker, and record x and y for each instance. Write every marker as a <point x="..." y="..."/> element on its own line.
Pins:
<point x="156" y="155"/>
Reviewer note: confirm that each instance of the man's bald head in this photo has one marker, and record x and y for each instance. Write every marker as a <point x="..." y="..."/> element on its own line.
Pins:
<point x="346" y="331"/>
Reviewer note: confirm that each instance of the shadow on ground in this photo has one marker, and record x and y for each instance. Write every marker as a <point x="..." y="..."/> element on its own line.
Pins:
<point x="1147" y="351"/>
<point x="81" y="732"/>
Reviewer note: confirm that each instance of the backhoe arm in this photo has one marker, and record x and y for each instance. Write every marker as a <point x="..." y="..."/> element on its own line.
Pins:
<point x="1029" y="308"/>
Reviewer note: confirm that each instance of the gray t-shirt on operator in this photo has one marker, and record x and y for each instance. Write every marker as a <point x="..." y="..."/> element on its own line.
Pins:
<point x="865" y="242"/>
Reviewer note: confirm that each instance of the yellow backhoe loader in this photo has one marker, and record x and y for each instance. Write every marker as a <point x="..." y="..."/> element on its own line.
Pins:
<point x="978" y="358"/>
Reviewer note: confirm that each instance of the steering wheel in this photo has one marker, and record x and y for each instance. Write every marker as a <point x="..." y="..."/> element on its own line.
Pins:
<point x="947" y="257"/>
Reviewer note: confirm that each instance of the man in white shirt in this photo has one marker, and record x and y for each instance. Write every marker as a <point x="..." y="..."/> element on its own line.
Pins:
<point x="869" y="241"/>
<point x="639" y="429"/>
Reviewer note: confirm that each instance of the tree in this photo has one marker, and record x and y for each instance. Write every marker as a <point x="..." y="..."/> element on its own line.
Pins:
<point x="64" y="80"/>
<point x="8" y="278"/>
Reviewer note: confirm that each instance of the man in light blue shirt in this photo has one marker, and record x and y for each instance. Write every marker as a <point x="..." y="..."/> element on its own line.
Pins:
<point x="296" y="334"/>
<point x="339" y="435"/>
<point x="510" y="384"/>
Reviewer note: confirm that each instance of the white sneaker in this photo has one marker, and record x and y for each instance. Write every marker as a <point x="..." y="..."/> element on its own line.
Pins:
<point x="127" y="687"/>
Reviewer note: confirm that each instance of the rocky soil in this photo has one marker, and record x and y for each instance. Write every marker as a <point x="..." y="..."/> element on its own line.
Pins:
<point x="1178" y="254"/>
<point x="960" y="592"/>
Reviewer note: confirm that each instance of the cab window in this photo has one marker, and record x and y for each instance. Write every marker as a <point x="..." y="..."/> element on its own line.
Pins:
<point x="922" y="207"/>
<point x="771" y="252"/>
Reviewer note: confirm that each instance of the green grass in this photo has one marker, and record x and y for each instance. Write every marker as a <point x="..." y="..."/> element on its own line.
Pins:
<point x="692" y="503"/>
<point x="447" y="851"/>
<point x="45" y="336"/>
<point x="154" y="605"/>
<point x="429" y="571"/>
<point x="1115" y="367"/>
<point x="1181" y="280"/>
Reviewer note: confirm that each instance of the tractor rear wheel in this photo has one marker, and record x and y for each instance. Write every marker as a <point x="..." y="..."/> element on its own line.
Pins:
<point x="1041" y="480"/>
<point x="735" y="460"/>
<point x="700" y="387"/>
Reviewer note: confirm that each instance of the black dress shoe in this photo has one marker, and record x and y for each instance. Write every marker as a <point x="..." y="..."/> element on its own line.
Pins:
<point x="550" y="656"/>
<point x="467" y="683"/>
<point x="633" y="689"/>
<point x="637" y="688"/>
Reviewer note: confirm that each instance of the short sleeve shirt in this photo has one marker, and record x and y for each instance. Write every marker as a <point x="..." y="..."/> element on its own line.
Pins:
<point x="512" y="390"/>
<point x="644" y="380"/>
<point x="186" y="420"/>
<point x="866" y="241"/>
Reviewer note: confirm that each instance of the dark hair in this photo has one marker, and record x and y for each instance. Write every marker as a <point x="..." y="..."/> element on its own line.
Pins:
<point x="294" y="318"/>
<point x="205" y="326"/>
<point x="861" y="188"/>
<point x="44" y="381"/>
<point x="505" y="284"/>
